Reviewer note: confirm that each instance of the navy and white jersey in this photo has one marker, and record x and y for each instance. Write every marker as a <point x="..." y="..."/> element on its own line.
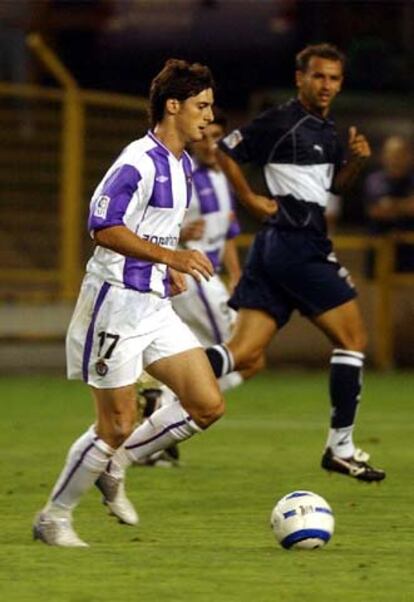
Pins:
<point x="299" y="152"/>
<point x="148" y="190"/>
<point x="214" y="201"/>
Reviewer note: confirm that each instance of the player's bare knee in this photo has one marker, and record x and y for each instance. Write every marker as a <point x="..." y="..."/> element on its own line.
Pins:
<point x="117" y="430"/>
<point x="205" y="416"/>
<point x="355" y="341"/>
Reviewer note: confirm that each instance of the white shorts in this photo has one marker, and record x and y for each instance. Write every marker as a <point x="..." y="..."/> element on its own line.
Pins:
<point x="115" y="333"/>
<point x="203" y="307"/>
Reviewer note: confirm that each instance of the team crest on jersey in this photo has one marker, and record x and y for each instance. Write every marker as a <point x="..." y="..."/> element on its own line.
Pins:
<point x="233" y="139"/>
<point x="101" y="206"/>
<point x="101" y="367"/>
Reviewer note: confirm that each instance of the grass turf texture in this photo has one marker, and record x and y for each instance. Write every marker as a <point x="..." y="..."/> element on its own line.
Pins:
<point x="204" y="533"/>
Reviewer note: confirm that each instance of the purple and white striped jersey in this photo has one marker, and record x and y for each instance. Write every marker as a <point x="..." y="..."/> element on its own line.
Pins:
<point x="214" y="201"/>
<point x="148" y="190"/>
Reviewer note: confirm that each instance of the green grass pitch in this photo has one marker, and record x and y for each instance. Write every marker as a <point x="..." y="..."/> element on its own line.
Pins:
<point x="204" y="534"/>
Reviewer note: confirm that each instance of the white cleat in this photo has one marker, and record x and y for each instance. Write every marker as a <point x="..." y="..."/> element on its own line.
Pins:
<point x="56" y="531"/>
<point x="116" y="499"/>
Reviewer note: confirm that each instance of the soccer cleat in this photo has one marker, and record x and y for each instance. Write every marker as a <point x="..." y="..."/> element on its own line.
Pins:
<point x="357" y="466"/>
<point x="56" y="531"/>
<point x="115" y="498"/>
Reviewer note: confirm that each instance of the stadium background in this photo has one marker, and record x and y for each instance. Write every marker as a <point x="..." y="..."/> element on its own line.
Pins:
<point x="204" y="534"/>
<point x="74" y="79"/>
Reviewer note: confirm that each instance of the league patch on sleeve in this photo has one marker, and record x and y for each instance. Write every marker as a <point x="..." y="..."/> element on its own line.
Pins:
<point x="101" y="206"/>
<point x="233" y="139"/>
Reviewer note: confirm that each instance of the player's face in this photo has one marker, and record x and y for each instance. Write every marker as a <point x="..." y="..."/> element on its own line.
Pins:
<point x="194" y="115"/>
<point x="319" y="84"/>
<point x="205" y="149"/>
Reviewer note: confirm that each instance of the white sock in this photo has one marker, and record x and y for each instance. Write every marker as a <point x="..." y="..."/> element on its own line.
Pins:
<point x="170" y="424"/>
<point x="230" y="381"/>
<point x="167" y="398"/>
<point x="86" y="460"/>
<point x="341" y="442"/>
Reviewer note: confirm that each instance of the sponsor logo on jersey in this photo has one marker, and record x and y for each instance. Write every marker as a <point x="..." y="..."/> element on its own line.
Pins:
<point x="233" y="139"/>
<point x="163" y="241"/>
<point x="318" y="149"/>
<point x="101" y="206"/>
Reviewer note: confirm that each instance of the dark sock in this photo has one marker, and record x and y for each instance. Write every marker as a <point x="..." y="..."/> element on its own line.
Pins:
<point x="221" y="360"/>
<point x="345" y="386"/>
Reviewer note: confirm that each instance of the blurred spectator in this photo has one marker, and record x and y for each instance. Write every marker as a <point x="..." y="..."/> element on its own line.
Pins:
<point x="389" y="197"/>
<point x="14" y="21"/>
<point x="17" y="18"/>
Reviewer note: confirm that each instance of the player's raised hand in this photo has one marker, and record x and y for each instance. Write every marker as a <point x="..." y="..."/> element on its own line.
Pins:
<point x="192" y="262"/>
<point x="358" y="145"/>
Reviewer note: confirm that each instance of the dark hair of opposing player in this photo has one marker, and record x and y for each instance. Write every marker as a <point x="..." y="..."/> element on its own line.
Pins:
<point x="323" y="51"/>
<point x="179" y="80"/>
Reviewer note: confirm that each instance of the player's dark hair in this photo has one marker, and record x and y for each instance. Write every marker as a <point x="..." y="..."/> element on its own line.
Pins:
<point x="323" y="51"/>
<point x="179" y="80"/>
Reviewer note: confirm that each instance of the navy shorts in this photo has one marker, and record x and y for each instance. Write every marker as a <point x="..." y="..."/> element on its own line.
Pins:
<point x="292" y="269"/>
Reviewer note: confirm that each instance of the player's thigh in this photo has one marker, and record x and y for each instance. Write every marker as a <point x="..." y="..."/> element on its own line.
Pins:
<point x="108" y="333"/>
<point x="176" y="357"/>
<point x="344" y="326"/>
<point x="251" y="335"/>
<point x="190" y="376"/>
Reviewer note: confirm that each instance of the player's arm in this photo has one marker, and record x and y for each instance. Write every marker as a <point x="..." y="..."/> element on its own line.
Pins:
<point x="360" y="152"/>
<point x="231" y="263"/>
<point x="260" y="206"/>
<point x="107" y="224"/>
<point x="122" y="240"/>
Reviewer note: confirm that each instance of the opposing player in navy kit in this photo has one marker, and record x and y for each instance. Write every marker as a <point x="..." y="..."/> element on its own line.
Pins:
<point x="123" y="321"/>
<point x="291" y="265"/>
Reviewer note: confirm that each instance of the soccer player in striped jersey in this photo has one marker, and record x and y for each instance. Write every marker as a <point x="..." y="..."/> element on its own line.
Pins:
<point x="291" y="265"/>
<point x="123" y="321"/>
<point x="211" y="227"/>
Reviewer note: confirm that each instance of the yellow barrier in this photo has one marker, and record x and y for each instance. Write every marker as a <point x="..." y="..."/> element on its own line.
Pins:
<point x="71" y="168"/>
<point x="47" y="174"/>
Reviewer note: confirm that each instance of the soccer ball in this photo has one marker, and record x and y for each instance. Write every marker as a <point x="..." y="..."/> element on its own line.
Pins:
<point x="302" y="519"/>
